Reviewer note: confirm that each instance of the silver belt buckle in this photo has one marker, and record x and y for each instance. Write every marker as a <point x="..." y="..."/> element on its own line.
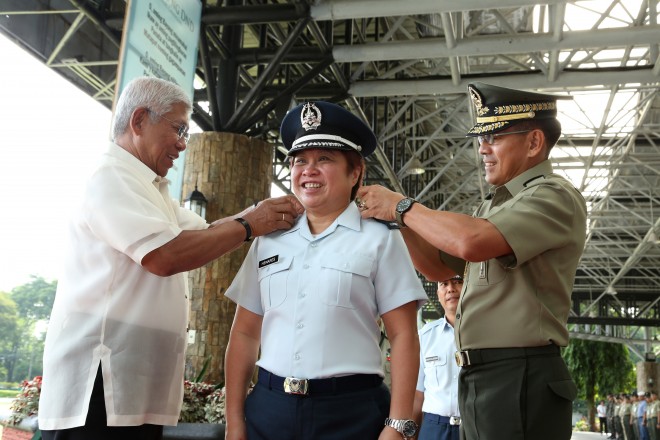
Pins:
<point x="454" y="420"/>
<point x="462" y="358"/>
<point x="293" y="385"/>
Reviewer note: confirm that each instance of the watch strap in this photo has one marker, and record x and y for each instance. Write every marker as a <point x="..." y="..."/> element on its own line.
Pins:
<point x="246" y="225"/>
<point x="398" y="212"/>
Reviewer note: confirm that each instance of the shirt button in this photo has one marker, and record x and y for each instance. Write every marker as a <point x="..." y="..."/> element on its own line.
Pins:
<point x="305" y="266"/>
<point x="302" y="294"/>
<point x="458" y="316"/>
<point x="297" y="357"/>
<point x="314" y="244"/>
<point x="300" y="325"/>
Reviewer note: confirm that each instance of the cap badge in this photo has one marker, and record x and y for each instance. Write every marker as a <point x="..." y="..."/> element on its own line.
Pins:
<point x="310" y="117"/>
<point x="478" y="104"/>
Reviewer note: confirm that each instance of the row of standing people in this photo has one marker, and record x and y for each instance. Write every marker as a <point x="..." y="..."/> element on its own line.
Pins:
<point x="630" y="416"/>
<point x="317" y="279"/>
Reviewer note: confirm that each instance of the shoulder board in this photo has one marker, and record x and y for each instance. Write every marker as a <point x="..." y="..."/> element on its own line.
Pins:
<point x="390" y="225"/>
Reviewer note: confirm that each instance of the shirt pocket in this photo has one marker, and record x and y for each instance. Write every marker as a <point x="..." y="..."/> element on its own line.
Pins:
<point x="339" y="274"/>
<point x="487" y="273"/>
<point x="273" y="282"/>
<point x="435" y="367"/>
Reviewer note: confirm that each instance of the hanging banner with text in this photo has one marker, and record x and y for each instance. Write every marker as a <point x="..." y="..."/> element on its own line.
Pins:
<point x="160" y="39"/>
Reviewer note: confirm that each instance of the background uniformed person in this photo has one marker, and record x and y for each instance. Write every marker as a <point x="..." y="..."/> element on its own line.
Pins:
<point x="522" y="248"/>
<point x="311" y="299"/>
<point x="436" y="398"/>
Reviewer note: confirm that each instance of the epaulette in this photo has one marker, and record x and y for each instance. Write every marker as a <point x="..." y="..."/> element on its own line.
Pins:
<point x="390" y="224"/>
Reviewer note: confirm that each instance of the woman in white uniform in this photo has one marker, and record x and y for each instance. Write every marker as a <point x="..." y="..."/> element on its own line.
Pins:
<point x="310" y="298"/>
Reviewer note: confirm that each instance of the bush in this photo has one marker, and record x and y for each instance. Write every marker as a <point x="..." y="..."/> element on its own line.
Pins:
<point x="202" y="402"/>
<point x="582" y="425"/>
<point x="26" y="402"/>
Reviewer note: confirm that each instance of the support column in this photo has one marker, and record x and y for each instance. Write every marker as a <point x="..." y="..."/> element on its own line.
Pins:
<point x="232" y="171"/>
<point x="648" y="374"/>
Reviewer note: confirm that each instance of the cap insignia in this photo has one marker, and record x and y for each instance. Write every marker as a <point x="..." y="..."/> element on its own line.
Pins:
<point x="310" y="117"/>
<point x="478" y="104"/>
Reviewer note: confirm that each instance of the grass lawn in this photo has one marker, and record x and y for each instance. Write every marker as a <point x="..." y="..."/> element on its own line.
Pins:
<point x="9" y="393"/>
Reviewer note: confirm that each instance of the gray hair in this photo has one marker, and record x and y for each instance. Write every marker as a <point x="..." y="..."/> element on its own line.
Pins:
<point x="156" y="94"/>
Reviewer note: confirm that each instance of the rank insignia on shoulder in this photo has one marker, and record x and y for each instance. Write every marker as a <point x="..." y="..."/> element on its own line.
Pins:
<point x="269" y="260"/>
<point x="390" y="225"/>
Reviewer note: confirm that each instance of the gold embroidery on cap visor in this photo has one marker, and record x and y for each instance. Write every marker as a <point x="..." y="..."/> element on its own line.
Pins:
<point x="499" y="117"/>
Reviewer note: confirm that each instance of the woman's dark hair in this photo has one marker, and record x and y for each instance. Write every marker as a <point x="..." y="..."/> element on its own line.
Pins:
<point x="355" y="160"/>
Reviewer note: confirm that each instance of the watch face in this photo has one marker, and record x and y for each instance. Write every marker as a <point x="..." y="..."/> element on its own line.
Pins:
<point x="404" y="205"/>
<point x="409" y="428"/>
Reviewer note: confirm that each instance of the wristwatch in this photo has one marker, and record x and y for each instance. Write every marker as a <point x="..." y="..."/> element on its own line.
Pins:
<point x="401" y="208"/>
<point x="407" y="428"/>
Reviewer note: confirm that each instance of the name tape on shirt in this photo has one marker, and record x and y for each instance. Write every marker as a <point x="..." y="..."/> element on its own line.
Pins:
<point x="269" y="260"/>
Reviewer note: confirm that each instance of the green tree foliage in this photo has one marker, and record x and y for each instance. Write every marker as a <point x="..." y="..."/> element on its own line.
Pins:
<point x="35" y="299"/>
<point x="598" y="368"/>
<point x="21" y="351"/>
<point x="8" y="327"/>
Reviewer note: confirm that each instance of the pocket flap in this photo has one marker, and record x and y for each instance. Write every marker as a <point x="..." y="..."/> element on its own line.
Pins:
<point x="283" y="263"/>
<point x="564" y="388"/>
<point x="357" y="264"/>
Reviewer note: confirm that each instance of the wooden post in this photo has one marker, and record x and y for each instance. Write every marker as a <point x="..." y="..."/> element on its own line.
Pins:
<point x="233" y="172"/>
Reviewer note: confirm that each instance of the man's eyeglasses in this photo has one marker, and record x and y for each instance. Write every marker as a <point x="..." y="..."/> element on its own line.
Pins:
<point x="182" y="131"/>
<point x="490" y="137"/>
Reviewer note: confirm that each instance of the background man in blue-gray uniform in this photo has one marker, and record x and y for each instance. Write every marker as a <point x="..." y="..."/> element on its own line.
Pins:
<point x="436" y="398"/>
<point x="519" y="253"/>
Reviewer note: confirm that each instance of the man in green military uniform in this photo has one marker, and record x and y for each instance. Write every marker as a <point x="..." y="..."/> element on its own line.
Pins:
<point x="519" y="253"/>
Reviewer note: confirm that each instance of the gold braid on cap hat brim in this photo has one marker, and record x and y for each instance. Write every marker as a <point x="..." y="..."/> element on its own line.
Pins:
<point x="517" y="111"/>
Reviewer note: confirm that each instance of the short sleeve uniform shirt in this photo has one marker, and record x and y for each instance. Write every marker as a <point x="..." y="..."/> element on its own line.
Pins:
<point x="438" y="372"/>
<point x="543" y="218"/>
<point x="321" y="296"/>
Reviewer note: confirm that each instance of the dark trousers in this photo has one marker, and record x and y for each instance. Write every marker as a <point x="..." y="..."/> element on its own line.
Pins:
<point x="524" y="398"/>
<point x="434" y="429"/>
<point x="603" y="424"/>
<point x="274" y="415"/>
<point x="627" y="428"/>
<point x="96" y="428"/>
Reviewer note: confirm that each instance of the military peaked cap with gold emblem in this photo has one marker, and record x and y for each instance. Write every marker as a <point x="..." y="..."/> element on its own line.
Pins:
<point x="322" y="124"/>
<point x="497" y="108"/>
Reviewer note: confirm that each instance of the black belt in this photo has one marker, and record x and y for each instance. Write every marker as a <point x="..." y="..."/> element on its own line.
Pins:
<point x="435" y="418"/>
<point x="312" y="387"/>
<point x="485" y="355"/>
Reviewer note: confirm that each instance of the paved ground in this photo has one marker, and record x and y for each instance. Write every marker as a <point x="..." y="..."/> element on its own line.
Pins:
<point x="587" y="436"/>
<point x="5" y="402"/>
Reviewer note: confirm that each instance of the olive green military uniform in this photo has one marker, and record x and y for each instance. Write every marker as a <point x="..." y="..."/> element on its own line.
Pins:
<point x="513" y="311"/>
<point x="625" y="419"/>
<point x="633" y="418"/>
<point x="652" y="419"/>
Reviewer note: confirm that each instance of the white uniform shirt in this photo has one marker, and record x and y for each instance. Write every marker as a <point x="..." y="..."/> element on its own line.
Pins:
<point x="320" y="297"/>
<point x="109" y="309"/>
<point x="438" y="372"/>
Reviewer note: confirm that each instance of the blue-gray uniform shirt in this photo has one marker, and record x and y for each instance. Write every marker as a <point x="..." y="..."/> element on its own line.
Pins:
<point x="438" y="372"/>
<point x="321" y="296"/>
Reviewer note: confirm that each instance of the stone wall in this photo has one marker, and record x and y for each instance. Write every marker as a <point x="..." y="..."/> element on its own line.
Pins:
<point x="233" y="172"/>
